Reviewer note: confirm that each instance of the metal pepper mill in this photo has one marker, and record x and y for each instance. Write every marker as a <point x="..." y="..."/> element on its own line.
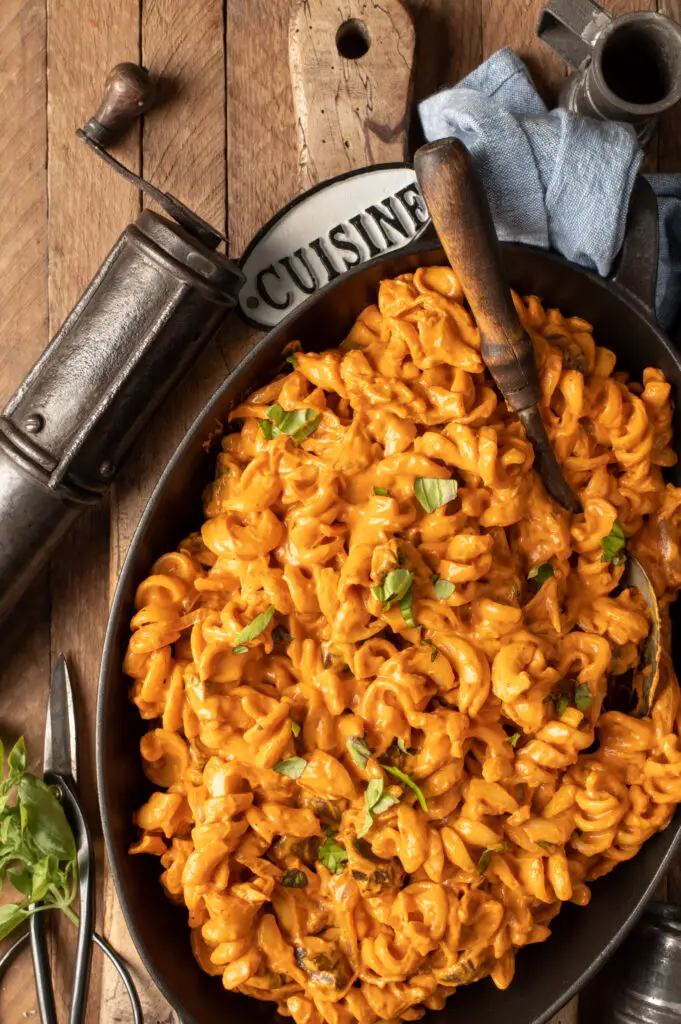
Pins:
<point x="160" y="295"/>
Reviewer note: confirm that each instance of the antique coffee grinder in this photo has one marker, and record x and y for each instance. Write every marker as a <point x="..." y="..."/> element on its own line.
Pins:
<point x="160" y="295"/>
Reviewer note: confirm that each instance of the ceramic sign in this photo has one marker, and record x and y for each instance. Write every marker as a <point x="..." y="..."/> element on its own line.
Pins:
<point x="326" y="232"/>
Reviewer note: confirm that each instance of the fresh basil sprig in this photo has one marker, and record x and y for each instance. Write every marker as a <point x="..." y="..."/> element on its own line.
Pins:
<point x="298" y="424"/>
<point x="376" y="800"/>
<point x="393" y="588"/>
<point x="37" y="848"/>
<point x="253" y="629"/>
<point x="614" y="545"/>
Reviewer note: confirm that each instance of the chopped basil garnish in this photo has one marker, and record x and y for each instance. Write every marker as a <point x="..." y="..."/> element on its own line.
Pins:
<point x="433" y="649"/>
<point x="443" y="588"/>
<point x="298" y="424"/>
<point x="380" y="492"/>
<point x="544" y="845"/>
<point x="541" y="573"/>
<point x="375" y="802"/>
<point x="358" y="751"/>
<point x="333" y="856"/>
<point x="294" y="879"/>
<point x="240" y="649"/>
<point x="280" y="636"/>
<point x="394" y="587"/>
<point x="404" y="778"/>
<point x="254" y="628"/>
<point x="401" y="745"/>
<point x="486" y="856"/>
<point x="613" y="545"/>
<point x="292" y="767"/>
<point x="513" y="740"/>
<point x="406" y="609"/>
<point x="295" y="727"/>
<point x="561" y="704"/>
<point x="292" y="360"/>
<point x="583" y="698"/>
<point x="433" y="493"/>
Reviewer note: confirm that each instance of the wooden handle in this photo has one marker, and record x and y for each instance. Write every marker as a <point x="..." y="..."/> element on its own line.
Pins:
<point x="462" y="219"/>
<point x="128" y="93"/>
<point x="351" y="64"/>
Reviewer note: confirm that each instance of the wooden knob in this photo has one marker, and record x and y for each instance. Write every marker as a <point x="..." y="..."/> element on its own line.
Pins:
<point x="128" y="93"/>
<point x="462" y="219"/>
<point x="351" y="65"/>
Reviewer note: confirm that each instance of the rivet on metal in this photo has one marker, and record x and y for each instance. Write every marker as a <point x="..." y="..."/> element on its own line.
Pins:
<point x="34" y="424"/>
<point x="107" y="469"/>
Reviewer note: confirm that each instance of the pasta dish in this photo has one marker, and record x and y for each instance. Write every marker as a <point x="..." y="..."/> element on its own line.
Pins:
<point x="389" y="681"/>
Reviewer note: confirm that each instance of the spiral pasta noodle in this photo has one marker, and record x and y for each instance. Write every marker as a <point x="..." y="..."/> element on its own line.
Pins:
<point x="381" y="680"/>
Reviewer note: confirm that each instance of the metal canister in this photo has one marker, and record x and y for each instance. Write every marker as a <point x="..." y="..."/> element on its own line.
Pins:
<point x="648" y="987"/>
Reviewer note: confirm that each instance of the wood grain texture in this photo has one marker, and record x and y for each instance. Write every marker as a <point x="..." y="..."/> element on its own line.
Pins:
<point x="25" y="639"/>
<point x="352" y="108"/>
<point x="88" y="208"/>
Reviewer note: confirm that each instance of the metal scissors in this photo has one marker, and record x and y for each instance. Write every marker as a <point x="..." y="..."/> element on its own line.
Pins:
<point x="60" y="763"/>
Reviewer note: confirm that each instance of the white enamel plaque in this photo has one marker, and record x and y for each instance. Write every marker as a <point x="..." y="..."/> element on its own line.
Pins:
<point x="326" y="232"/>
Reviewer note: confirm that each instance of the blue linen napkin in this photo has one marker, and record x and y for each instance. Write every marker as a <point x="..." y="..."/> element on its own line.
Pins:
<point x="553" y="178"/>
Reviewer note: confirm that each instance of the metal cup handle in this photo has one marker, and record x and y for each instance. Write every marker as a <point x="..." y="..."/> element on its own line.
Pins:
<point x="571" y="27"/>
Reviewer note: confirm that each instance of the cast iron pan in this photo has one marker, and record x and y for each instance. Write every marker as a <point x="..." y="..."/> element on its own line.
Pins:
<point x="547" y="974"/>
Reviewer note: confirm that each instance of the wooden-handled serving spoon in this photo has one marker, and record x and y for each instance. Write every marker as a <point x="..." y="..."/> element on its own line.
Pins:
<point x="462" y="218"/>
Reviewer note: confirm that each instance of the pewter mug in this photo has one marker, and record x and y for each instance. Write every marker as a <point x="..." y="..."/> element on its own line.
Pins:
<point x="624" y="69"/>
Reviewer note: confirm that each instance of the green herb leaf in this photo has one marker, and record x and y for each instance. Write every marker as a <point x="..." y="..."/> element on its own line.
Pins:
<point x="11" y="916"/>
<point x="433" y="649"/>
<point x="443" y="588"/>
<point x="433" y="493"/>
<point x="44" y="820"/>
<point x="292" y="767"/>
<point x="254" y="628"/>
<point x="20" y="878"/>
<point x="332" y="855"/>
<point x="561" y="704"/>
<point x="614" y="545"/>
<point x="375" y="802"/>
<point x="280" y="636"/>
<point x="541" y="573"/>
<point x="292" y="360"/>
<point x="45" y="871"/>
<point x="240" y="649"/>
<point x="298" y="424"/>
<point x="358" y="751"/>
<point x="401" y="746"/>
<point x="515" y="588"/>
<point x="513" y="740"/>
<point x="406" y="609"/>
<point x="380" y="492"/>
<point x="295" y="727"/>
<point x="384" y="803"/>
<point x="294" y="879"/>
<point x="394" y="587"/>
<point x="17" y="759"/>
<point x="486" y="856"/>
<point x="544" y="845"/>
<point x="583" y="698"/>
<point x="404" y="778"/>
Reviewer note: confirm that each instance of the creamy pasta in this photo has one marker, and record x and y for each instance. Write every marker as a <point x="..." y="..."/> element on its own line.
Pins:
<point x="384" y="680"/>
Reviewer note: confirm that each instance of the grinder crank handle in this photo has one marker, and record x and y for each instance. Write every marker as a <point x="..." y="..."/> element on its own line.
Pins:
<point x="462" y="219"/>
<point x="128" y="93"/>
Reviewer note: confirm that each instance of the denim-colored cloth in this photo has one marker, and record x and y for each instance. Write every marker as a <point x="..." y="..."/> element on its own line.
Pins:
<point x="553" y="178"/>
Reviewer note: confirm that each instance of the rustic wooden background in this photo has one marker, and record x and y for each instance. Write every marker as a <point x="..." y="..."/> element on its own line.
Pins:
<point x="227" y="145"/>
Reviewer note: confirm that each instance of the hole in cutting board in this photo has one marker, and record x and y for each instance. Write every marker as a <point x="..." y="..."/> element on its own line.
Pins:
<point x="352" y="39"/>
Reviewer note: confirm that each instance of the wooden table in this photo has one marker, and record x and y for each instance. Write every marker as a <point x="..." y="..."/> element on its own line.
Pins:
<point x="226" y="144"/>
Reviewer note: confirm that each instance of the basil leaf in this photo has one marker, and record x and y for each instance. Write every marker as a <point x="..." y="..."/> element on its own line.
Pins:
<point x="486" y="857"/>
<point x="433" y="493"/>
<point x="513" y="740"/>
<point x="386" y="801"/>
<point x="443" y="589"/>
<point x="406" y="609"/>
<point x="561" y="704"/>
<point x="614" y="545"/>
<point x="358" y="751"/>
<point x="240" y="649"/>
<point x="298" y="424"/>
<point x="20" y="878"/>
<point x="373" y="792"/>
<point x="45" y="871"/>
<point x="294" y="879"/>
<point x="583" y="698"/>
<point x="544" y="845"/>
<point x="255" y="628"/>
<point x="292" y="360"/>
<point x="280" y="636"/>
<point x="292" y="767"/>
<point x="433" y="649"/>
<point x="404" y="778"/>
<point x="541" y="573"/>
<point x="295" y="727"/>
<point x="366" y="824"/>
<point x="380" y="492"/>
<point x="11" y="916"/>
<point x="394" y="587"/>
<point x="401" y="745"/>
<point x="17" y="759"/>
<point x="44" y="819"/>
<point x="333" y="856"/>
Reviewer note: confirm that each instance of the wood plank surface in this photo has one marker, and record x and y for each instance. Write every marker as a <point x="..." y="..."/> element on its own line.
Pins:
<point x="226" y="144"/>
